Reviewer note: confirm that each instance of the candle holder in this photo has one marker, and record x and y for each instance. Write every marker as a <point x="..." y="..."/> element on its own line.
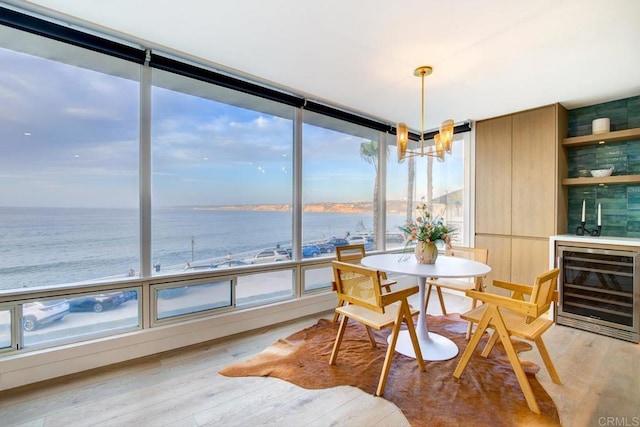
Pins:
<point x="581" y="230"/>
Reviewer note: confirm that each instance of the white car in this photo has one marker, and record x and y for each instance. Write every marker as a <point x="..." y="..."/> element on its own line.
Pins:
<point x="270" y="255"/>
<point x="36" y="314"/>
<point x="357" y="240"/>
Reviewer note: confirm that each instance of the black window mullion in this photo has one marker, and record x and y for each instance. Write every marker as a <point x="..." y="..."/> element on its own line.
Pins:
<point x="187" y="70"/>
<point x="461" y="128"/>
<point x="327" y="110"/>
<point x="86" y="40"/>
<point x="41" y="27"/>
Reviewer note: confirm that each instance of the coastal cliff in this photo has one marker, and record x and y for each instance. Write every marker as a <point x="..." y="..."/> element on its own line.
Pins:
<point x="393" y="207"/>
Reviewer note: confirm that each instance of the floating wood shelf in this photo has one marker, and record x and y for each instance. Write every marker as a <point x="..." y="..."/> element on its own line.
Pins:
<point x="615" y="136"/>
<point x="618" y="179"/>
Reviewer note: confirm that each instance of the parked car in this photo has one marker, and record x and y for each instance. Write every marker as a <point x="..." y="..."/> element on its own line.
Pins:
<point x="97" y="303"/>
<point x="357" y="240"/>
<point x="270" y="255"/>
<point x="190" y="267"/>
<point x="395" y="237"/>
<point x="168" y="293"/>
<point x="310" y="251"/>
<point x="231" y="263"/>
<point x="330" y="244"/>
<point x="36" y="314"/>
<point x="129" y="295"/>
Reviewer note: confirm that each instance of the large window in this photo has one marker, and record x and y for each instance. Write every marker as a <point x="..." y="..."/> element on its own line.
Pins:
<point x="339" y="169"/>
<point x="191" y="299"/>
<point x="222" y="178"/>
<point x="442" y="186"/>
<point x="5" y="329"/>
<point x="46" y="322"/>
<point x="68" y="163"/>
<point x="233" y="195"/>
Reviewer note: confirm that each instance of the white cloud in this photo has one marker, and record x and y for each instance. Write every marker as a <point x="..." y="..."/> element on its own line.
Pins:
<point x="91" y="113"/>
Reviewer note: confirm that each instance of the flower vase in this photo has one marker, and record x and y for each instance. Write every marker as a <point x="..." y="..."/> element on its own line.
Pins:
<point x="426" y="252"/>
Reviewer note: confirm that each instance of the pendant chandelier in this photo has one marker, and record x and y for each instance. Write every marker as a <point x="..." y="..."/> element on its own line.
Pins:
<point x="442" y="140"/>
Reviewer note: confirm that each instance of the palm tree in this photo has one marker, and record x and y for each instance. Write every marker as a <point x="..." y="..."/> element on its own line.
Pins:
<point x="369" y="153"/>
<point x="411" y="183"/>
<point x="430" y="183"/>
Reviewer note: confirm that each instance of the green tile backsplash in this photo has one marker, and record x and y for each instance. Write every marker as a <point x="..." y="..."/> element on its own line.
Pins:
<point x="620" y="203"/>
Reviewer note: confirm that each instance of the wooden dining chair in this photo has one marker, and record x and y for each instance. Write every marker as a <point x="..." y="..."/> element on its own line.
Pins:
<point x="361" y="289"/>
<point x="514" y="316"/>
<point x="474" y="254"/>
<point x="353" y="254"/>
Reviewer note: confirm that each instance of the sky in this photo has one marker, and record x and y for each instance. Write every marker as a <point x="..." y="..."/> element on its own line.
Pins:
<point x="70" y="138"/>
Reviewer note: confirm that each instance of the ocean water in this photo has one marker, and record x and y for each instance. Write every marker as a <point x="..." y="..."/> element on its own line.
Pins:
<point x="52" y="246"/>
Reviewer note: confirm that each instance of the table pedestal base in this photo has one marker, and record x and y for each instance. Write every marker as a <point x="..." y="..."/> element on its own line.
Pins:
<point x="434" y="347"/>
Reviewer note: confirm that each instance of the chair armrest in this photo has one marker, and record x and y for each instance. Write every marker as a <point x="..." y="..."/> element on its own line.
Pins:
<point x="518" y="306"/>
<point x="515" y="287"/>
<point x="398" y="294"/>
<point x="456" y="284"/>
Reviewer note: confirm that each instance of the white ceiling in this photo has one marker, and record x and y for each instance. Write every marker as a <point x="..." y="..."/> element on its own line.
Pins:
<point x="490" y="57"/>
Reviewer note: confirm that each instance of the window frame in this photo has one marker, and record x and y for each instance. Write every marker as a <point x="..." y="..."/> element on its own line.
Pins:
<point x="148" y="60"/>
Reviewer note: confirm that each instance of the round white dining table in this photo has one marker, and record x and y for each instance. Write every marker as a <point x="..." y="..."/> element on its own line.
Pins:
<point x="434" y="347"/>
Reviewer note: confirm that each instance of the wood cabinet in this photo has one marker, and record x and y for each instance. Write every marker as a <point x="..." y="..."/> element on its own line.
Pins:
<point x="520" y="200"/>
<point x="529" y="257"/>
<point x="499" y="259"/>
<point x="493" y="163"/>
<point x="533" y="173"/>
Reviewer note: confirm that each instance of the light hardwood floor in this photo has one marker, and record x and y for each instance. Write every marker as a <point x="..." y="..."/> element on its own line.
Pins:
<point x="601" y="387"/>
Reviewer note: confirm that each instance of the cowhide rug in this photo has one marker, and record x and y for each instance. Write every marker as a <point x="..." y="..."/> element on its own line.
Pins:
<point x="487" y="394"/>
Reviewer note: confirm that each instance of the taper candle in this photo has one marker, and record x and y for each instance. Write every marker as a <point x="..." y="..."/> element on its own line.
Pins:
<point x="599" y="215"/>
<point x="583" y="207"/>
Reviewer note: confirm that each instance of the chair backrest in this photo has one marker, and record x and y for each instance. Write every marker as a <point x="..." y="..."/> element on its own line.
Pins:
<point x="358" y="285"/>
<point x="543" y="289"/>
<point x="474" y="254"/>
<point x="352" y="253"/>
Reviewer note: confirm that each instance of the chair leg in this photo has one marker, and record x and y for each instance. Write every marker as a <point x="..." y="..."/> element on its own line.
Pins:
<point x="336" y="315"/>
<point x="474" y="303"/>
<point x="493" y="339"/>
<point x="442" y="307"/>
<point x="387" y="288"/>
<point x="404" y="315"/>
<point x="414" y="337"/>
<point x="469" y="330"/>
<point x="547" y="361"/>
<point x="389" y="355"/>
<point x="371" y="339"/>
<point x="473" y="343"/>
<point x="426" y="299"/>
<point x="515" y="363"/>
<point x="336" y="344"/>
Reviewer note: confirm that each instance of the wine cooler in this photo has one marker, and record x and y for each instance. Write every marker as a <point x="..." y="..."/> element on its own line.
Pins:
<point x="599" y="291"/>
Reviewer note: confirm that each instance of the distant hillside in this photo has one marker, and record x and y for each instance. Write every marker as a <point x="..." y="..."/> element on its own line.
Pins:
<point x="393" y="207"/>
